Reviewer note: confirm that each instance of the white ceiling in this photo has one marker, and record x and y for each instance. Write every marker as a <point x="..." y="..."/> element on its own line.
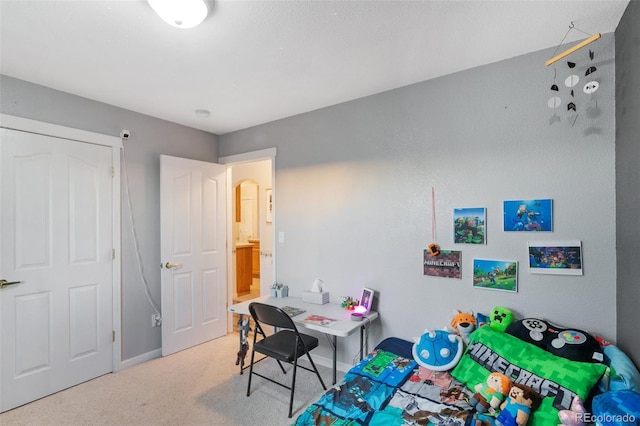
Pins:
<point x="252" y="62"/>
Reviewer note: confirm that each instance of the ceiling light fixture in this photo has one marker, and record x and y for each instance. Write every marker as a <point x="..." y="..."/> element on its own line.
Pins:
<point x="203" y="113"/>
<point x="181" y="13"/>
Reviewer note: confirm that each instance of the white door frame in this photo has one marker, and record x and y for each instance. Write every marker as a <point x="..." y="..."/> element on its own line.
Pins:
<point x="54" y="130"/>
<point x="231" y="160"/>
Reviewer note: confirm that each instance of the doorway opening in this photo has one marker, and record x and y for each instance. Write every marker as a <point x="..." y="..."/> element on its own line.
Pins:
<point x="257" y="171"/>
<point x="246" y="240"/>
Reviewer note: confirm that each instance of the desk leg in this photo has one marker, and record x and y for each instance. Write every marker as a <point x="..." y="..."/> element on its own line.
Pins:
<point x="363" y="351"/>
<point x="335" y="355"/>
<point x="361" y="338"/>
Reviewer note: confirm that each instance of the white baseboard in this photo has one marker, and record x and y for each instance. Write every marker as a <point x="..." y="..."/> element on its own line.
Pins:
<point x="343" y="367"/>
<point x="157" y="353"/>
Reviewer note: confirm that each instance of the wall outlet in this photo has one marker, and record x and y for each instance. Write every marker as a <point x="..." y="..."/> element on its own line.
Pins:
<point x="156" y="320"/>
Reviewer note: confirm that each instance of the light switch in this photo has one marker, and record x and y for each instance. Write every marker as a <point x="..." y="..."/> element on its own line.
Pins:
<point x="281" y="237"/>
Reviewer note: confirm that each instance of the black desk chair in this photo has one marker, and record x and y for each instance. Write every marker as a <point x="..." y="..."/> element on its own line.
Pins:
<point x="286" y="344"/>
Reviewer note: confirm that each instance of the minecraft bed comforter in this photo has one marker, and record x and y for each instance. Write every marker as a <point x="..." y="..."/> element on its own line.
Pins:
<point x="387" y="388"/>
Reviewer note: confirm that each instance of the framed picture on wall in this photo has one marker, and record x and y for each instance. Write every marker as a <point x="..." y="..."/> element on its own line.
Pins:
<point x="447" y="264"/>
<point x="495" y="274"/>
<point x="555" y="257"/>
<point x="469" y="225"/>
<point x="269" y="204"/>
<point x="528" y="215"/>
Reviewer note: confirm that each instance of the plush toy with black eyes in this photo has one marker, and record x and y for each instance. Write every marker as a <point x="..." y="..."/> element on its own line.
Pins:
<point x="518" y="406"/>
<point x="501" y="317"/>
<point x="463" y="323"/>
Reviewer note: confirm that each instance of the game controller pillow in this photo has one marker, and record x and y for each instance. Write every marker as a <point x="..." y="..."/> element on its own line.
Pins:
<point x="558" y="380"/>
<point x="573" y="344"/>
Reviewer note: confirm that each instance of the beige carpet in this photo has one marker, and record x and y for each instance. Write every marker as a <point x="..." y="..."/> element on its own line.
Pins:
<point x="198" y="386"/>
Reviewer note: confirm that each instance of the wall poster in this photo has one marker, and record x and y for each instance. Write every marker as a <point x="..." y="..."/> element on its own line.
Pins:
<point x="528" y="215"/>
<point x="555" y="257"/>
<point x="447" y="264"/>
<point x="495" y="274"/>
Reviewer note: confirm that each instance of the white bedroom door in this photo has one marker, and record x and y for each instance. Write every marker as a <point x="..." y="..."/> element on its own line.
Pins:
<point x="56" y="209"/>
<point x="193" y="252"/>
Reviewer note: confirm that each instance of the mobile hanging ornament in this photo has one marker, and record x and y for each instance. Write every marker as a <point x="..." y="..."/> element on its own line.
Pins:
<point x="592" y="85"/>
<point x="434" y="249"/>
<point x="573" y="104"/>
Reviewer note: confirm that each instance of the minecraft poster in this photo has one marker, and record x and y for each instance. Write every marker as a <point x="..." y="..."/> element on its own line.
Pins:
<point x="445" y="265"/>
<point x="528" y="215"/>
<point x="555" y="257"/>
<point x="469" y="225"/>
<point x="495" y="274"/>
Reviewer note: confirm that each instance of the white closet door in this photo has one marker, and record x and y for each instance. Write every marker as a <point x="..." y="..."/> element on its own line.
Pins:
<point x="56" y="223"/>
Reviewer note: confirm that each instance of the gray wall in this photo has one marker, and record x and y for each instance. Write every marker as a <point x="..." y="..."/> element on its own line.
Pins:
<point x="628" y="177"/>
<point x="353" y="182"/>
<point x="150" y="137"/>
<point x="352" y="192"/>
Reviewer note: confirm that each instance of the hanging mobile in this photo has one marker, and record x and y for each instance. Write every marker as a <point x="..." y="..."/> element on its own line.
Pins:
<point x="434" y="248"/>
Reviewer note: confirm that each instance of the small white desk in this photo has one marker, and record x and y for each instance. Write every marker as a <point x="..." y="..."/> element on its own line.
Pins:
<point x="343" y="327"/>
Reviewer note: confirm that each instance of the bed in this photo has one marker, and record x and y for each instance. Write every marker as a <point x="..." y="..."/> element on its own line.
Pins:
<point x="389" y="388"/>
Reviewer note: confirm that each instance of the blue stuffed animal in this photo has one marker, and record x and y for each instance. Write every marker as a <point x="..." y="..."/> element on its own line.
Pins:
<point x="438" y="350"/>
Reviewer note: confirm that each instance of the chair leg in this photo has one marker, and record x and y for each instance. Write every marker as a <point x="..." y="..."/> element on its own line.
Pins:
<point x="293" y="385"/>
<point x="316" y="370"/>
<point x="281" y="367"/>
<point x="253" y="354"/>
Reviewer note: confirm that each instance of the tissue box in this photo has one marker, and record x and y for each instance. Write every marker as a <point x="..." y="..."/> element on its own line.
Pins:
<point x="317" y="298"/>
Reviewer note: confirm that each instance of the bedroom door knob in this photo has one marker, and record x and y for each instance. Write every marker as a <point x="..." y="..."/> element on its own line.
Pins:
<point x="170" y="265"/>
<point x="5" y="283"/>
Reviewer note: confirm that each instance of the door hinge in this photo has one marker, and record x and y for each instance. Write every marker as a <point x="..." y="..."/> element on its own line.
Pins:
<point x="113" y="254"/>
<point x="113" y="172"/>
<point x="113" y="335"/>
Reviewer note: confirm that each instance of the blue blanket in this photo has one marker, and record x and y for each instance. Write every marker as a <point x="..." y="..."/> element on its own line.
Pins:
<point x="387" y="388"/>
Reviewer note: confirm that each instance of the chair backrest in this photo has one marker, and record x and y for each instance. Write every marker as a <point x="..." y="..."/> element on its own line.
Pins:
<point x="271" y="315"/>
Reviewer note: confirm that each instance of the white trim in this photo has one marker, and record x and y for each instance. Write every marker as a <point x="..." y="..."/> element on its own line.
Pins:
<point x="83" y="136"/>
<point x="249" y="156"/>
<point x="328" y="362"/>
<point x="230" y="271"/>
<point x="157" y="353"/>
<point x="117" y="261"/>
<point x="230" y="161"/>
<point x="148" y="356"/>
<point x="48" y="129"/>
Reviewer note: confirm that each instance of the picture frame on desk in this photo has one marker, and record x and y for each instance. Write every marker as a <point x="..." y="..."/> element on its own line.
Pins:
<point x="366" y="300"/>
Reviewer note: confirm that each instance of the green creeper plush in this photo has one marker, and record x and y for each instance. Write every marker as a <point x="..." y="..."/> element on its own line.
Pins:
<point x="501" y="317"/>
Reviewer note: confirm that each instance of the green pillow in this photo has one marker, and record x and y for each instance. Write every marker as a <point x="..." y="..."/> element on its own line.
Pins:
<point x="556" y="379"/>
